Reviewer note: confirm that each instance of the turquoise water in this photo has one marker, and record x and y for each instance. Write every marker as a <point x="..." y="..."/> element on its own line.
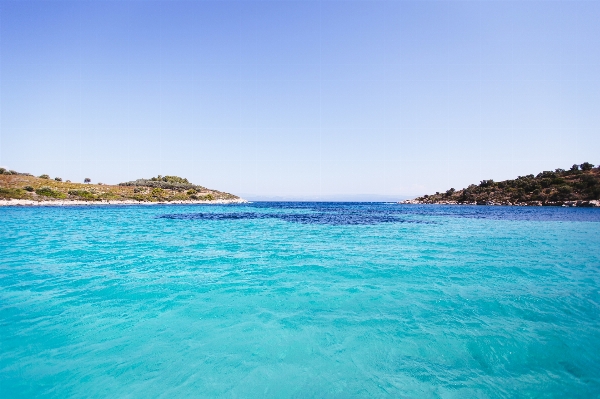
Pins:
<point x="283" y="300"/>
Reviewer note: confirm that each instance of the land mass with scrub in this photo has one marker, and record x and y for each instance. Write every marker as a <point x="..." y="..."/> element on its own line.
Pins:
<point x="25" y="189"/>
<point x="577" y="186"/>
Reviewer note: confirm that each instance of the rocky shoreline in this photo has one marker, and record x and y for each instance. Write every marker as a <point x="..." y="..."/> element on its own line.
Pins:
<point x="29" y="203"/>
<point x="579" y="204"/>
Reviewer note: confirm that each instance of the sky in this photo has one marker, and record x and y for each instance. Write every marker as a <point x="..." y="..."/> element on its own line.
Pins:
<point x="300" y="100"/>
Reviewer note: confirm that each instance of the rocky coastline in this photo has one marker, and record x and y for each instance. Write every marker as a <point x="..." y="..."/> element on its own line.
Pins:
<point x="581" y="204"/>
<point x="28" y="203"/>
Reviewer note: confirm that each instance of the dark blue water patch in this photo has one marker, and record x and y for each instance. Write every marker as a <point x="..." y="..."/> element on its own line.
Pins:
<point x="336" y="213"/>
<point x="522" y="213"/>
<point x="323" y="218"/>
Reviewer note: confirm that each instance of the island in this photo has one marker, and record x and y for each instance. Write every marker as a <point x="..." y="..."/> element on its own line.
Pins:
<point x="25" y="189"/>
<point x="577" y="186"/>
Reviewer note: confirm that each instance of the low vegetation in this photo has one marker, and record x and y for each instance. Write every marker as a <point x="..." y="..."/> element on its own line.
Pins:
<point x="14" y="185"/>
<point x="12" y="193"/>
<point x="576" y="186"/>
<point x="165" y="182"/>
<point x="4" y="171"/>
<point x="49" y="192"/>
<point x="83" y="194"/>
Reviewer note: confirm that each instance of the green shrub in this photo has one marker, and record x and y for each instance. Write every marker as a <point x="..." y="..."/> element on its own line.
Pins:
<point x="140" y="198"/>
<point x="83" y="194"/>
<point x="45" y="191"/>
<point x="44" y="177"/>
<point x="158" y="193"/>
<point x="565" y="189"/>
<point x="48" y="192"/>
<point x="29" y="188"/>
<point x="209" y="197"/>
<point x="547" y="174"/>
<point x="11" y="193"/>
<point x="2" y="170"/>
<point x="590" y="180"/>
<point x="109" y="196"/>
<point x="57" y="179"/>
<point x="166" y="182"/>
<point x="171" y="179"/>
<point x="192" y="192"/>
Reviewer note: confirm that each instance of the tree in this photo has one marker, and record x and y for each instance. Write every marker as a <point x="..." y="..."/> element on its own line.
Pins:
<point x="564" y="189"/>
<point x="87" y="180"/>
<point x="586" y="166"/>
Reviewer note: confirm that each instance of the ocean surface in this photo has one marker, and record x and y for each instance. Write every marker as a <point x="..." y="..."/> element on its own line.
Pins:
<point x="299" y="300"/>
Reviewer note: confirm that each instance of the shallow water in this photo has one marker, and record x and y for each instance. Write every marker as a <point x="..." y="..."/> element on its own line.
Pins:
<point x="299" y="300"/>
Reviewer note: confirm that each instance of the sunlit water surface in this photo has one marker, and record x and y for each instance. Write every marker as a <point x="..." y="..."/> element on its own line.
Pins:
<point x="284" y="300"/>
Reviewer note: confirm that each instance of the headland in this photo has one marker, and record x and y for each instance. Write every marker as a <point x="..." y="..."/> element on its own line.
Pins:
<point x="25" y="189"/>
<point x="578" y="186"/>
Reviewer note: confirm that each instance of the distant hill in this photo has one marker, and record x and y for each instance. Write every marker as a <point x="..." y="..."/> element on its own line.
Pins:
<point x="577" y="186"/>
<point x="14" y="185"/>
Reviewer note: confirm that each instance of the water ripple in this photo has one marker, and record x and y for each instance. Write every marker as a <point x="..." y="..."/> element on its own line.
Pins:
<point x="345" y="300"/>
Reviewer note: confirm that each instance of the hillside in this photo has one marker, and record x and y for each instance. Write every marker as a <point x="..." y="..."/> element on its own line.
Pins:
<point x="578" y="186"/>
<point x="14" y="185"/>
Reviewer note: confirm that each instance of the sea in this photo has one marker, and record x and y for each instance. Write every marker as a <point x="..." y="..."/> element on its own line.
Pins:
<point x="299" y="300"/>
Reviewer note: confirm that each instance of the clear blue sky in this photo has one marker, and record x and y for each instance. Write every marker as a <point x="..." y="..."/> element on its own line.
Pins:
<point x="300" y="99"/>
